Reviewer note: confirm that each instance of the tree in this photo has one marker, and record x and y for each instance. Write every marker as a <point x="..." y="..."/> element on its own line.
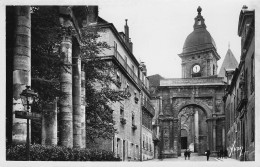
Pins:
<point x="46" y="64"/>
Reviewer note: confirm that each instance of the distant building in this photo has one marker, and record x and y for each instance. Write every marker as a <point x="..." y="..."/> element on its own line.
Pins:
<point x="133" y="116"/>
<point x="148" y="113"/>
<point x="240" y="94"/>
<point x="191" y="114"/>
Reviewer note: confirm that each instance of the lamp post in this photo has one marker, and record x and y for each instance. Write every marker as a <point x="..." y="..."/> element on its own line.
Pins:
<point x="28" y="97"/>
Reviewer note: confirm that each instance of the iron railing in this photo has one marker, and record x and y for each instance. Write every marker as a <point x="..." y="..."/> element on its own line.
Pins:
<point x="126" y="67"/>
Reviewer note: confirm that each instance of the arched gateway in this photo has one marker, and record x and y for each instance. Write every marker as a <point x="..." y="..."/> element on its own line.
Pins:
<point x="191" y="114"/>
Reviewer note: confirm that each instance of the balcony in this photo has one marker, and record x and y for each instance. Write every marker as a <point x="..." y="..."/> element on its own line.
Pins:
<point x="148" y="106"/>
<point x="241" y="101"/>
<point x="126" y="67"/>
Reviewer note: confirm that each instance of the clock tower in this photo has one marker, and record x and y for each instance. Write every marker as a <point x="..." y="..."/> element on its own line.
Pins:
<point x="199" y="55"/>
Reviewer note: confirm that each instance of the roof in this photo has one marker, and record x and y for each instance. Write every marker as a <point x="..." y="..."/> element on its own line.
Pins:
<point x="200" y="38"/>
<point x="155" y="79"/>
<point x="245" y="12"/>
<point x="101" y="20"/>
<point x="229" y="62"/>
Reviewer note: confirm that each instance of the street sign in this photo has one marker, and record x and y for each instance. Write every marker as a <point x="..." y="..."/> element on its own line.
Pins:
<point x="27" y="115"/>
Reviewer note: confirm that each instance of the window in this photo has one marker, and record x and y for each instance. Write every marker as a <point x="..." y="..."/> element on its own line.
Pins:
<point x="213" y="69"/>
<point x="133" y="68"/>
<point x="199" y="22"/>
<point x="234" y="109"/>
<point x="115" y="45"/>
<point x="118" y="147"/>
<point x="143" y="142"/>
<point x="133" y="118"/>
<point x="125" y="59"/>
<point x="252" y="82"/>
<point x="253" y="125"/>
<point x="118" y="79"/>
<point x="146" y="143"/>
<point x="122" y="112"/>
<point x="246" y="84"/>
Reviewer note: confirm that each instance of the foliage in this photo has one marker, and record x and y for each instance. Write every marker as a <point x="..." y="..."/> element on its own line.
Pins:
<point x="46" y="64"/>
<point x="58" y="153"/>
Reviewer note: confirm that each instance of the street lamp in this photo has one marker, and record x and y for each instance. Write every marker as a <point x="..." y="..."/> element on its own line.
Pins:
<point x="28" y="97"/>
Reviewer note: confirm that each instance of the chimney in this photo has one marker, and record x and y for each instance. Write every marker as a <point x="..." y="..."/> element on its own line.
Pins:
<point x="130" y="45"/>
<point x="92" y="15"/>
<point x="126" y="33"/>
<point x="143" y="68"/>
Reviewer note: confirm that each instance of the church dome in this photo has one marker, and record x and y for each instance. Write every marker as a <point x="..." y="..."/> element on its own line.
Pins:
<point x="200" y="38"/>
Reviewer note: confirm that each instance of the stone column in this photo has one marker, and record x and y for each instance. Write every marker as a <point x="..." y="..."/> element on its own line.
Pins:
<point x="214" y="135"/>
<point x="209" y="134"/>
<point x="179" y="137"/>
<point x="175" y="137"/>
<point x="196" y="136"/>
<point x="76" y="97"/>
<point x="49" y="124"/>
<point x="223" y="138"/>
<point x="21" y="69"/>
<point x="83" y="106"/>
<point x="66" y="127"/>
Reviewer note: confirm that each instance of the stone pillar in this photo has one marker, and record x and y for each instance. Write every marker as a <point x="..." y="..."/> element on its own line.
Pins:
<point x="76" y="97"/>
<point x="209" y="134"/>
<point x="179" y="138"/>
<point x="214" y="135"/>
<point x="196" y="136"/>
<point x="192" y="130"/>
<point x="223" y="138"/>
<point x="21" y="69"/>
<point x="175" y="137"/>
<point x="66" y="127"/>
<point x="83" y="106"/>
<point x="49" y="124"/>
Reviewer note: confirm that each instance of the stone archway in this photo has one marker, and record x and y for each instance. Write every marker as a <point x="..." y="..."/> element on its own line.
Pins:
<point x="199" y="104"/>
<point x="197" y="114"/>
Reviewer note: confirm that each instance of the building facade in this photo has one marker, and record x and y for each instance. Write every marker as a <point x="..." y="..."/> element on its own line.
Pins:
<point x="132" y="116"/>
<point x="192" y="115"/>
<point x="240" y="95"/>
<point x="148" y="112"/>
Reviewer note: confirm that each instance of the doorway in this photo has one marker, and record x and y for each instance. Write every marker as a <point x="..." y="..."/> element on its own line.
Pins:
<point x="184" y="142"/>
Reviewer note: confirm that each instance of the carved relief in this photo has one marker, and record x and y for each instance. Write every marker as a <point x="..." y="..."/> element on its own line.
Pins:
<point x="177" y="102"/>
<point x="166" y="107"/>
<point x="218" y="105"/>
<point x="208" y="101"/>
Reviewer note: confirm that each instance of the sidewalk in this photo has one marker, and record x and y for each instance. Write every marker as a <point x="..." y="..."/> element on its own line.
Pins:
<point x="227" y="160"/>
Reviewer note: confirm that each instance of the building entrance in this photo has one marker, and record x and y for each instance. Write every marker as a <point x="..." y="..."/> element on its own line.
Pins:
<point x="183" y="142"/>
<point x="193" y="136"/>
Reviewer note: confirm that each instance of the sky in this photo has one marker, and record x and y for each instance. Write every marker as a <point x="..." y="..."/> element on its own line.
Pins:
<point x="158" y="28"/>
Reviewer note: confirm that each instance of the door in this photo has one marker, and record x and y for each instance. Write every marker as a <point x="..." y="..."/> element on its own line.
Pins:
<point x="123" y="150"/>
<point x="184" y="142"/>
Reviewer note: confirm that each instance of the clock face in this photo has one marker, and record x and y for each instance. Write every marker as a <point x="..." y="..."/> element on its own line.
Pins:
<point x="196" y="68"/>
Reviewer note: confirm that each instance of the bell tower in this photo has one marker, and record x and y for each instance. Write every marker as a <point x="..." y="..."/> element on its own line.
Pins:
<point x="199" y="55"/>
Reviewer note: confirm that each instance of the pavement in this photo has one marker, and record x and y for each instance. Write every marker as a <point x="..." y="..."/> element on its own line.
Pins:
<point x="195" y="157"/>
